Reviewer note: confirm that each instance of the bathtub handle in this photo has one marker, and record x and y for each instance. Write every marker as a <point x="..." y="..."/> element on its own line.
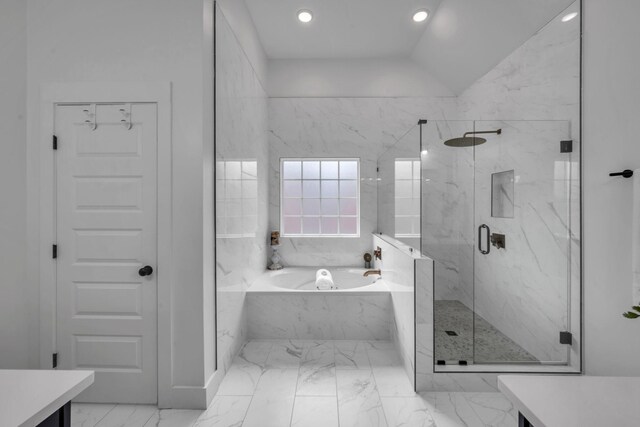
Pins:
<point x="484" y="252"/>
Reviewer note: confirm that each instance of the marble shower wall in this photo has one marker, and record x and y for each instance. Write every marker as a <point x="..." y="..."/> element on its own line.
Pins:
<point x="447" y="209"/>
<point x="529" y="279"/>
<point x="540" y="81"/>
<point x="241" y="187"/>
<point x="340" y="127"/>
<point x="397" y="266"/>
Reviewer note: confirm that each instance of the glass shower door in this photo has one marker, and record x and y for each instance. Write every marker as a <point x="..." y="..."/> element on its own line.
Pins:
<point x="521" y="263"/>
<point x="499" y="219"/>
<point x="447" y="237"/>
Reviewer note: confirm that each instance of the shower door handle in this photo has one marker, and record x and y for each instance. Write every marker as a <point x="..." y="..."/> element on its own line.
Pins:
<point x="486" y="227"/>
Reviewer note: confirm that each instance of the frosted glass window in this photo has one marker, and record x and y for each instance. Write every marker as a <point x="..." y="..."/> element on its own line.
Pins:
<point x="311" y="189"/>
<point x="329" y="189"/>
<point x="311" y="225"/>
<point x="329" y="170"/>
<point x="311" y="206"/>
<point x="348" y="170"/>
<point x="292" y="207"/>
<point x="311" y="170"/>
<point x="348" y="189"/>
<point x="293" y="188"/>
<point x="330" y="207"/>
<point x="407" y="198"/>
<point x="237" y="198"/>
<point x="320" y="197"/>
<point x="292" y="170"/>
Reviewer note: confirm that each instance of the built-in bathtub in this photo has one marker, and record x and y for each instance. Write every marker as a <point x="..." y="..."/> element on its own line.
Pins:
<point x="286" y="304"/>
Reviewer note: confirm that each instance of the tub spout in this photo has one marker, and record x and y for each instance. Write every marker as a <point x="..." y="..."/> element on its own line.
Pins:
<point x="370" y="272"/>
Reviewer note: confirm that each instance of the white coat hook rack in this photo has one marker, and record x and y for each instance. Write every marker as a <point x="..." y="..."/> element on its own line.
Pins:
<point x="126" y="116"/>
<point x="90" y="111"/>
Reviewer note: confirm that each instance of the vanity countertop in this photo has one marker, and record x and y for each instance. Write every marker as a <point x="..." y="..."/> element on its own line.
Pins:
<point x="574" y="401"/>
<point x="28" y="397"/>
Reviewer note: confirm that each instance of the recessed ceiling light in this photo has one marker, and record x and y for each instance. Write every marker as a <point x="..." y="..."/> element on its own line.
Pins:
<point x="568" y="17"/>
<point x="305" y="16"/>
<point x="421" y="15"/>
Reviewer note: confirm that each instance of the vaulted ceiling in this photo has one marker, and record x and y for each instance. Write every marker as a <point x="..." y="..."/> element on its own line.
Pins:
<point x="460" y="41"/>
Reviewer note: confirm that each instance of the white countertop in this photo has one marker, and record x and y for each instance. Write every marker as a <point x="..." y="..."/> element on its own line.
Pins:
<point x="28" y="397"/>
<point x="574" y="401"/>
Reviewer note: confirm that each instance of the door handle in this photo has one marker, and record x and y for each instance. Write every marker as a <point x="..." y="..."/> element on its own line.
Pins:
<point x="486" y="227"/>
<point x="147" y="270"/>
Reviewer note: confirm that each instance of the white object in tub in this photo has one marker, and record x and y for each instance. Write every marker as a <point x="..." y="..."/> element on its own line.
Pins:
<point x="324" y="280"/>
<point x="302" y="279"/>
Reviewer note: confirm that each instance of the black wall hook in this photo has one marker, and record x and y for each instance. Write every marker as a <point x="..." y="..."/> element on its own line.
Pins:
<point x="628" y="173"/>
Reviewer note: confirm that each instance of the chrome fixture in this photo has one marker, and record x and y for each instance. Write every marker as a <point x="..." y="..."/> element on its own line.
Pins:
<point x="370" y="272"/>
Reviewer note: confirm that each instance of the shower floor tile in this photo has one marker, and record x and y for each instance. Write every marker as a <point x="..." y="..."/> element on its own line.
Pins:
<point x="491" y="345"/>
<point x="314" y="383"/>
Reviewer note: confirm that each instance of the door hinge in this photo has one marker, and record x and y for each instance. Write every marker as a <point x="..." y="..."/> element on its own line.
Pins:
<point x="54" y="360"/>
<point x="566" y="338"/>
<point x="54" y="251"/>
<point x="55" y="142"/>
<point x="566" y="146"/>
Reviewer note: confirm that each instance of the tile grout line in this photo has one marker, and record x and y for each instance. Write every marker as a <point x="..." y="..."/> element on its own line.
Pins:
<point x="295" y="393"/>
<point x="107" y="413"/>
<point x="336" y="371"/>
<point x="262" y="369"/>
<point x="373" y="377"/>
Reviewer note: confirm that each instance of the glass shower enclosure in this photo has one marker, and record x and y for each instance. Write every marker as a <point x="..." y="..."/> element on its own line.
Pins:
<point x="500" y="210"/>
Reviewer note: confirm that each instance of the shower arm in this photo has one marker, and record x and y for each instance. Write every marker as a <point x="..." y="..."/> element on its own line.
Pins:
<point x="480" y="132"/>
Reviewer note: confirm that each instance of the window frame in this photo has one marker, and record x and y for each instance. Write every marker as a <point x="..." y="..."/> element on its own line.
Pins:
<point x="338" y="216"/>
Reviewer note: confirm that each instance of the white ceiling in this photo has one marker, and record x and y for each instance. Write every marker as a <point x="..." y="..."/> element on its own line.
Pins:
<point x="341" y="29"/>
<point x="459" y="43"/>
<point x="467" y="38"/>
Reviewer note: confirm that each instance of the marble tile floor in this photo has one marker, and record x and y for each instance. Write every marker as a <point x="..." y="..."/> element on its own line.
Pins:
<point x="285" y="383"/>
<point x="491" y="345"/>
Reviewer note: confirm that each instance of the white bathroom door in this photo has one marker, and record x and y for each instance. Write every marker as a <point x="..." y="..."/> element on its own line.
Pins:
<point x="106" y="233"/>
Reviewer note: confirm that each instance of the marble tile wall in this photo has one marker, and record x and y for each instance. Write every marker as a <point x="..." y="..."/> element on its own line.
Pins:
<point x="540" y="81"/>
<point x="319" y="317"/>
<point x="447" y="209"/>
<point x="537" y="82"/>
<point x="340" y="127"/>
<point x="241" y="187"/>
<point x="397" y="266"/>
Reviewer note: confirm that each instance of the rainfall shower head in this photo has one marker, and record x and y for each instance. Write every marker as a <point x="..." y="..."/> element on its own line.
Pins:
<point x="470" y="141"/>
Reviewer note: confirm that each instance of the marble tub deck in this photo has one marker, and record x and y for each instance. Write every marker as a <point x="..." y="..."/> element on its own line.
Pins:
<point x="491" y="345"/>
<point x="283" y="383"/>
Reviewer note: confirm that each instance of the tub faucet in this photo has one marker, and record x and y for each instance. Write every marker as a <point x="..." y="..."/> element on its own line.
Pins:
<point x="370" y="272"/>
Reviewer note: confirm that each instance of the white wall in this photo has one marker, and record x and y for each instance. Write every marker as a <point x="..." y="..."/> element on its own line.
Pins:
<point x="351" y="78"/>
<point x="146" y="40"/>
<point x="242" y="189"/>
<point x="611" y="111"/>
<point x="16" y="324"/>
